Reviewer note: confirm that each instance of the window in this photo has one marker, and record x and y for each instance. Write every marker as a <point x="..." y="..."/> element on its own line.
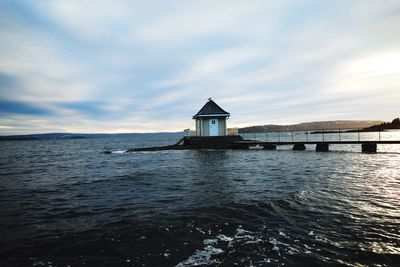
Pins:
<point x="213" y="121"/>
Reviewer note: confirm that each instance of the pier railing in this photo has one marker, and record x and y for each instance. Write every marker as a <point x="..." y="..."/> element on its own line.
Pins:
<point x="321" y="136"/>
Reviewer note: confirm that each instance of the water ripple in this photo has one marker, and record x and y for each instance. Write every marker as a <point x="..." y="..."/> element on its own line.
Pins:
<point x="64" y="203"/>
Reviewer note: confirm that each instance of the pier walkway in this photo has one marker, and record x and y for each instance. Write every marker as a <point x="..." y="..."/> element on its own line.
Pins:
<point x="270" y="141"/>
<point x="366" y="146"/>
<point x="322" y="139"/>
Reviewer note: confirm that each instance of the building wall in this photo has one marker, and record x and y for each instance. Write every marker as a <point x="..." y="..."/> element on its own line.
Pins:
<point x="221" y="126"/>
<point x="203" y="126"/>
<point x="198" y="127"/>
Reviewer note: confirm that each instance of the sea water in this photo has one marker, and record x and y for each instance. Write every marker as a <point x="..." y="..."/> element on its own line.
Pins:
<point x="65" y="203"/>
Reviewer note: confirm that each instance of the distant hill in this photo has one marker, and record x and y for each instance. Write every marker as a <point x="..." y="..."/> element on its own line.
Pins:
<point x="395" y="124"/>
<point x="311" y="126"/>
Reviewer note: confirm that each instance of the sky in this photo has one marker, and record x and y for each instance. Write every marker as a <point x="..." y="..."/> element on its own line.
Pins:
<point x="96" y="66"/>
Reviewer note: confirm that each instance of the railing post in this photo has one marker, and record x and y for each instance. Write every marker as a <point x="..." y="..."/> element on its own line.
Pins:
<point x="339" y="136"/>
<point x="359" y="135"/>
<point x="379" y="135"/>
<point x="279" y="138"/>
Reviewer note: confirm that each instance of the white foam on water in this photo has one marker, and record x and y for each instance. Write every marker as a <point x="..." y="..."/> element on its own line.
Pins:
<point x="213" y="250"/>
<point x="244" y="237"/>
<point x="224" y="238"/>
<point x="256" y="241"/>
<point x="202" y="257"/>
<point x="241" y="231"/>
<point x="292" y="250"/>
<point x="118" y="151"/>
<point x="265" y="261"/>
<point x="44" y="264"/>
<point x="228" y="239"/>
<point x="210" y="241"/>
<point x="281" y="246"/>
<point x="282" y="233"/>
<point x="321" y="239"/>
<point x="201" y="231"/>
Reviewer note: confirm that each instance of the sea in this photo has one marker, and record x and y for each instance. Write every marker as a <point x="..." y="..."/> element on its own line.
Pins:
<point x="67" y="203"/>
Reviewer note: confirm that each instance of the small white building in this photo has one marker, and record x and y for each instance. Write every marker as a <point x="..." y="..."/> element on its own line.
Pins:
<point x="211" y="120"/>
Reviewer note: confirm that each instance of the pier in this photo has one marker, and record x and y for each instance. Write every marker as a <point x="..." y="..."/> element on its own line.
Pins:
<point x="322" y="139"/>
<point x="366" y="146"/>
<point x="368" y="141"/>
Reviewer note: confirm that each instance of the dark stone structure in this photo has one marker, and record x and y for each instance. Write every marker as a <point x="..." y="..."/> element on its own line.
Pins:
<point x="322" y="147"/>
<point x="214" y="141"/>
<point x="368" y="147"/>
<point x="238" y="146"/>
<point x="299" y="147"/>
<point x="269" y="146"/>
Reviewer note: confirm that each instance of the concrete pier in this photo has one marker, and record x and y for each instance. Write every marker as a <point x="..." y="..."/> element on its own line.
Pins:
<point x="322" y="147"/>
<point x="269" y="146"/>
<point x="368" y="147"/>
<point x="212" y="141"/>
<point x="237" y="142"/>
<point x="299" y="146"/>
<point x="238" y="146"/>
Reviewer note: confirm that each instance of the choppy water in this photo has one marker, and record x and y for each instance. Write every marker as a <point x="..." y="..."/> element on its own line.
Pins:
<point x="64" y="203"/>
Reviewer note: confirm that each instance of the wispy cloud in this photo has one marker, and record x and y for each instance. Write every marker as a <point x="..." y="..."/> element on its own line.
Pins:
<point x="133" y="66"/>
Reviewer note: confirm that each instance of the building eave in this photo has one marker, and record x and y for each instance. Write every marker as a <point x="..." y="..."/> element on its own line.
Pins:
<point x="211" y="115"/>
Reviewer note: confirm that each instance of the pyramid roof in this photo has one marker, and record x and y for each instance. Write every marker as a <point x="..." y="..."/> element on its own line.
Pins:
<point x="211" y="109"/>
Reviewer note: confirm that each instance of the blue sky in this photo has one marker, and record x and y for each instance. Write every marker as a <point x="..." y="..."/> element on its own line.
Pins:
<point x="144" y="66"/>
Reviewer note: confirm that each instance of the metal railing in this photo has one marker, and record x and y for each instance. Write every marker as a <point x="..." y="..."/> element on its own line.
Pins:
<point x="318" y="135"/>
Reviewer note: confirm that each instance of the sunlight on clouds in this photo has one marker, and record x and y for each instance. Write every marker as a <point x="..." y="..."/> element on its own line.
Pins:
<point x="5" y="127"/>
<point x="379" y="64"/>
<point x="371" y="74"/>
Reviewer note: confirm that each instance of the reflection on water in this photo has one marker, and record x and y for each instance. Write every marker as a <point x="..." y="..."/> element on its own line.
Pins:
<point x="65" y="203"/>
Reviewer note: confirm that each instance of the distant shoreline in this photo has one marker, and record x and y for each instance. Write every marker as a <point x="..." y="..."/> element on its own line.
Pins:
<point x="70" y="136"/>
<point x="352" y="131"/>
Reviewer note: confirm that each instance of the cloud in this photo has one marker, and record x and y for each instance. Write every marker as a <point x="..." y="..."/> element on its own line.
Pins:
<point x="85" y="66"/>
<point x="7" y="81"/>
<point x="190" y="21"/>
<point x="13" y="107"/>
<point x="88" y="20"/>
